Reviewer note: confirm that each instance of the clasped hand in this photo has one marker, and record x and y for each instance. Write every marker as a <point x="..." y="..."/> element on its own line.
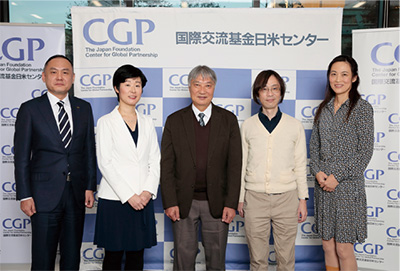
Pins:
<point x="138" y="202"/>
<point x="327" y="183"/>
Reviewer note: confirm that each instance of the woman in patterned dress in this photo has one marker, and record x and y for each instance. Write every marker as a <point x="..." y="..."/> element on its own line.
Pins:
<point x="341" y="147"/>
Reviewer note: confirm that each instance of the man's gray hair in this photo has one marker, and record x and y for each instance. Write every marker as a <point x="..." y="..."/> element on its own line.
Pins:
<point x="204" y="71"/>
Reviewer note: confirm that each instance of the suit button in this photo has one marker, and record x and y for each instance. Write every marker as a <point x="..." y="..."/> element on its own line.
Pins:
<point x="64" y="173"/>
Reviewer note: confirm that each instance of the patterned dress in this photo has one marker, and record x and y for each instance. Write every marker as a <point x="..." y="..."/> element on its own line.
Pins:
<point x="344" y="149"/>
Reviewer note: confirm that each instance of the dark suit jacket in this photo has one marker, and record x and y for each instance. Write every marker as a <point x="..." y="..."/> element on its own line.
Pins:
<point x="178" y="161"/>
<point x="41" y="161"/>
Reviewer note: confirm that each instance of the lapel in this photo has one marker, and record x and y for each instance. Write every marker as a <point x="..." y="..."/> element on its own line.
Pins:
<point x="214" y="131"/>
<point x="187" y="117"/>
<point x="126" y="139"/>
<point x="48" y="117"/>
<point x="76" y="112"/>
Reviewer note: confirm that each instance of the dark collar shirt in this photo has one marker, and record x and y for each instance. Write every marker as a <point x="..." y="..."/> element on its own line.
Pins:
<point x="269" y="124"/>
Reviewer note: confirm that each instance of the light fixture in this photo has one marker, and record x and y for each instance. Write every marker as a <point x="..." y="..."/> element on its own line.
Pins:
<point x="96" y="3"/>
<point x="359" y="4"/>
<point x="36" y="16"/>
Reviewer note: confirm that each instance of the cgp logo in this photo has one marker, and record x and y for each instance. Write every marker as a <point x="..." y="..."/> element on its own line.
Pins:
<point x="386" y="48"/>
<point x="374" y="211"/>
<point x="97" y="80"/>
<point x="309" y="111"/>
<point x="119" y="25"/>
<point x="146" y="109"/>
<point x="7" y="150"/>
<point x="368" y="248"/>
<point x="393" y="194"/>
<point x="308" y="228"/>
<point x="17" y="223"/>
<point x="373" y="174"/>
<point x="93" y="254"/>
<point x="178" y="80"/>
<point x="9" y="112"/>
<point x="21" y="48"/>
<point x="8" y="187"/>
<point x="379" y="136"/>
<point x="234" y="108"/>
<point x="393" y="157"/>
<point x="236" y="226"/>
<point x="394" y="118"/>
<point x="38" y="92"/>
<point x="393" y="232"/>
<point x="374" y="99"/>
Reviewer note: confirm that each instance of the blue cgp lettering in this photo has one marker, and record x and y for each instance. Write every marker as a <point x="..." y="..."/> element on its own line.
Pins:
<point x="308" y="112"/>
<point x="308" y="228"/>
<point x="393" y="232"/>
<point x="235" y="227"/>
<point x="9" y="187"/>
<point x="91" y="254"/>
<point x="379" y="136"/>
<point x="372" y="174"/>
<point x="380" y="46"/>
<point x="146" y="109"/>
<point x="235" y="109"/>
<point x="394" y="118"/>
<point x="113" y="25"/>
<point x="374" y="212"/>
<point x="17" y="223"/>
<point x="38" y="92"/>
<point x="374" y="99"/>
<point x="95" y="80"/>
<point x="394" y="156"/>
<point x="368" y="248"/>
<point x="33" y="44"/>
<point x="8" y="113"/>
<point x="176" y="80"/>
<point x="7" y="150"/>
<point x="391" y="194"/>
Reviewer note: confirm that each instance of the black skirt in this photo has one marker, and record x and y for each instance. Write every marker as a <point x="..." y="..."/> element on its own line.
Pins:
<point x="120" y="227"/>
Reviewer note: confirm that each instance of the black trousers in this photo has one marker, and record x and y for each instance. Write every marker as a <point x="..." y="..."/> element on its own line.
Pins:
<point x="63" y="225"/>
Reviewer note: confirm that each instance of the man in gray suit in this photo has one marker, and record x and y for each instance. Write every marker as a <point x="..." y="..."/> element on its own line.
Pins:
<point x="201" y="161"/>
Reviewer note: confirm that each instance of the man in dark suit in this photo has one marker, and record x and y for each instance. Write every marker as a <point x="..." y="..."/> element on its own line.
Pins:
<point x="201" y="161"/>
<point x="55" y="167"/>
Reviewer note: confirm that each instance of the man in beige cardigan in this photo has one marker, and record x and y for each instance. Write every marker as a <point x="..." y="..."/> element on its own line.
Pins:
<point x="274" y="185"/>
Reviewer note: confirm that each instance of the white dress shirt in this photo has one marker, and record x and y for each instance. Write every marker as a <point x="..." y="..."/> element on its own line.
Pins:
<point x="55" y="107"/>
<point x="207" y="113"/>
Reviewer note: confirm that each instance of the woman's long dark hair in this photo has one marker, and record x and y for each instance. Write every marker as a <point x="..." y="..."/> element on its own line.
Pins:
<point x="354" y="95"/>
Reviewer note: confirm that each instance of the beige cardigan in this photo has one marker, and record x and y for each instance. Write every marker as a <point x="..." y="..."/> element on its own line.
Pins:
<point x="274" y="162"/>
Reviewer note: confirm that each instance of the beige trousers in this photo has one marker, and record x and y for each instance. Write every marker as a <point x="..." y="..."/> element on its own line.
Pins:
<point x="263" y="211"/>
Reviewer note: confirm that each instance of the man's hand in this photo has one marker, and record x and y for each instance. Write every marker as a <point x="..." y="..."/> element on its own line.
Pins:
<point x="89" y="198"/>
<point x="302" y="211"/>
<point x="28" y="207"/>
<point x="228" y="214"/>
<point x="240" y="209"/>
<point x="173" y="213"/>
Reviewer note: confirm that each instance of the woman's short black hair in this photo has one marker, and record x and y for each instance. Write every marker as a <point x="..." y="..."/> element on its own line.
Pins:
<point x="127" y="71"/>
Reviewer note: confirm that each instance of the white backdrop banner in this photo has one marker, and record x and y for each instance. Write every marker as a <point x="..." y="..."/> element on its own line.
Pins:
<point x="166" y="43"/>
<point x="24" y="50"/>
<point x="378" y="57"/>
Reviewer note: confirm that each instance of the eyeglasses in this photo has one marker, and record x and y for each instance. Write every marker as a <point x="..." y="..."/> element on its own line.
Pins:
<point x="273" y="89"/>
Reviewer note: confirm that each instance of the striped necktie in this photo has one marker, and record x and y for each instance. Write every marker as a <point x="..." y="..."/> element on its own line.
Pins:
<point x="201" y="120"/>
<point x="64" y="125"/>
